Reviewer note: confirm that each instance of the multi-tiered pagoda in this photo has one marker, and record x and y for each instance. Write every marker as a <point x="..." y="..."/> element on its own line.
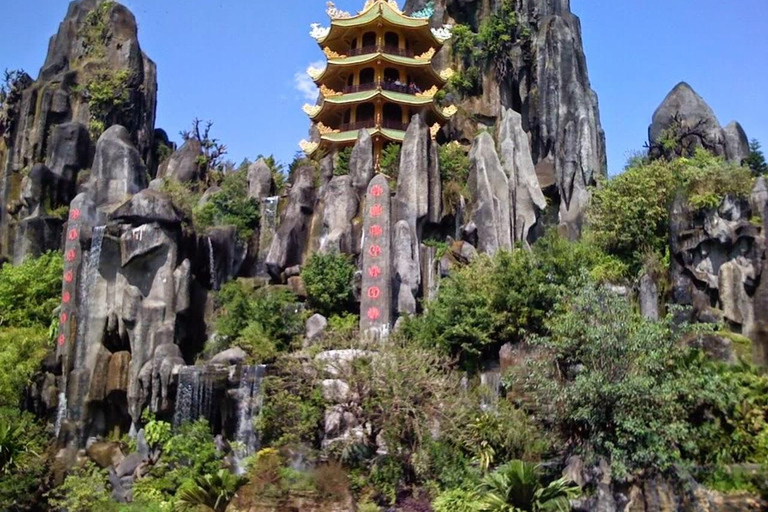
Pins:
<point x="379" y="74"/>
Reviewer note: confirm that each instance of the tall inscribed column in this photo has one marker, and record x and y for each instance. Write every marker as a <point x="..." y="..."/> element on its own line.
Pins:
<point x="376" y="302"/>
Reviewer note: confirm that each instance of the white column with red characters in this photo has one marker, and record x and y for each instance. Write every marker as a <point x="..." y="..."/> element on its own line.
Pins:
<point x="376" y="300"/>
<point x="72" y="258"/>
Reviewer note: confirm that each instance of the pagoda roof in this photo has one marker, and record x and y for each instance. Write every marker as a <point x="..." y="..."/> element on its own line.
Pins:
<point x="401" y="98"/>
<point x="338" y="62"/>
<point x="374" y="11"/>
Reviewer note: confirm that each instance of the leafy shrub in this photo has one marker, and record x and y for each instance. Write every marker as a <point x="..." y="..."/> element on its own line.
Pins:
<point x="30" y="292"/>
<point x="21" y="353"/>
<point x="454" y="163"/>
<point x="518" y="486"/>
<point x="108" y="95"/>
<point x="84" y="490"/>
<point x="627" y="389"/>
<point x="468" y="82"/>
<point x="293" y="409"/>
<point x="209" y="492"/>
<point x="756" y="159"/>
<point x="455" y="500"/>
<point x="262" y="322"/>
<point x="23" y="463"/>
<point x="342" y="162"/>
<point x="500" y="299"/>
<point x="390" y="160"/>
<point x="629" y="214"/>
<point x="231" y="206"/>
<point x="328" y="280"/>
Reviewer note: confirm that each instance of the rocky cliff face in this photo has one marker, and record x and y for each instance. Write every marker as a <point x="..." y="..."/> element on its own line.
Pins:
<point x="95" y="76"/>
<point x="547" y="83"/>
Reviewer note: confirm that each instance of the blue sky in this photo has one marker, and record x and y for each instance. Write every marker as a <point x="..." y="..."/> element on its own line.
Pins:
<point x="240" y="63"/>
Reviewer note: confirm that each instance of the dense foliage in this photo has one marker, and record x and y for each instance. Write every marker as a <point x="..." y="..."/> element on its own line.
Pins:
<point x="231" y="206"/>
<point x="500" y="299"/>
<point x="261" y="321"/>
<point x="328" y="280"/>
<point x="629" y="214"/>
<point x="30" y="292"/>
<point x="625" y="388"/>
<point x="756" y="159"/>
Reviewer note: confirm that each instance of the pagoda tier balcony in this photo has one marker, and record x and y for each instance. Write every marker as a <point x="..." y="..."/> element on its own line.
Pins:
<point x="389" y="50"/>
<point x="360" y="125"/>
<point x="385" y="86"/>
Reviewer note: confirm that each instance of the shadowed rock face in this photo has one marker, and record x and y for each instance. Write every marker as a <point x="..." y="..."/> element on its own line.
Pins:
<point x="685" y="115"/>
<point x="548" y="84"/>
<point x="48" y="120"/>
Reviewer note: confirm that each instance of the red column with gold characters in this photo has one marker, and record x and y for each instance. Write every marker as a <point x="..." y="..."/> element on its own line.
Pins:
<point x="376" y="301"/>
<point x="72" y="258"/>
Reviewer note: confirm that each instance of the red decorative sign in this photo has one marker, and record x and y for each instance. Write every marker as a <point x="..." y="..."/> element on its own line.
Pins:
<point x="62" y="340"/>
<point x="374" y="271"/>
<point x="373" y="314"/>
<point x="64" y="317"/>
<point x="71" y="255"/>
<point x="377" y="190"/>
<point x="66" y="297"/>
<point x="73" y="234"/>
<point x="374" y="292"/>
<point x="74" y="214"/>
<point x="375" y="251"/>
<point x="376" y="230"/>
<point x="376" y="210"/>
<point x="68" y="276"/>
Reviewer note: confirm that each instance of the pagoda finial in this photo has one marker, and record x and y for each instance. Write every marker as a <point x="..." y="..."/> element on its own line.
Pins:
<point x="335" y="13"/>
<point x="391" y="3"/>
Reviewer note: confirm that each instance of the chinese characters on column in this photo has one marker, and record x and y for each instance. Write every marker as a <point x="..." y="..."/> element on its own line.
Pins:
<point x="376" y="302"/>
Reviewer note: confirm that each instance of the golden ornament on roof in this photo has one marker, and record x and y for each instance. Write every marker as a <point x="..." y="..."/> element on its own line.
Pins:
<point x="332" y="54"/>
<point x="325" y="130"/>
<point x="327" y="92"/>
<point x="311" y="110"/>
<point x="308" y="147"/>
<point x="315" y="73"/>
<point x="447" y="73"/>
<point x="429" y="93"/>
<point x="433" y="131"/>
<point x="450" y="110"/>
<point x="427" y="55"/>
<point x="336" y="14"/>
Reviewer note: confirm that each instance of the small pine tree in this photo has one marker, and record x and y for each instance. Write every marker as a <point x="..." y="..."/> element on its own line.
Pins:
<point x="756" y="159"/>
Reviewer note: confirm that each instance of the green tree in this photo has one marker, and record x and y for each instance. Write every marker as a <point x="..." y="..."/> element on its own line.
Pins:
<point x="84" y="490"/>
<point x="29" y="292"/>
<point x="21" y="353"/>
<point x="629" y="214"/>
<point x="328" y="280"/>
<point x="756" y="158"/>
<point x="231" y="206"/>
<point x="518" y="487"/>
<point x="210" y="492"/>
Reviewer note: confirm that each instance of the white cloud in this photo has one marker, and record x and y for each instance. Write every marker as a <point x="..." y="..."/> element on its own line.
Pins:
<point x="304" y="84"/>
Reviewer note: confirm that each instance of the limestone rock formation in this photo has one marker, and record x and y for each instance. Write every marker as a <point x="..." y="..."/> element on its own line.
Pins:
<point x="340" y="206"/>
<point x="45" y="120"/>
<point x="259" y="180"/>
<point x="291" y="238"/>
<point x="184" y="164"/>
<point x="527" y="199"/>
<point x="685" y="116"/>
<point x="361" y="162"/>
<point x="489" y="188"/>
<point x="118" y="170"/>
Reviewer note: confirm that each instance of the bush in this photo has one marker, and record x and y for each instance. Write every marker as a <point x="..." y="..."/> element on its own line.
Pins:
<point x="31" y="291"/>
<point x="328" y="280"/>
<point x="231" y="206"/>
<point x="342" y="162"/>
<point x="454" y="163"/>
<point x="500" y="299"/>
<point x="390" y="160"/>
<point x="261" y="322"/>
<point x="23" y="463"/>
<point x="629" y="214"/>
<point x="21" y="353"/>
<point x="455" y="500"/>
<point x="84" y="490"/>
<point x="623" y="387"/>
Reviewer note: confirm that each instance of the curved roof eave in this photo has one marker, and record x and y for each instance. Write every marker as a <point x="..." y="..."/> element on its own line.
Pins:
<point x="412" y="62"/>
<point x="362" y="97"/>
<point x="375" y="11"/>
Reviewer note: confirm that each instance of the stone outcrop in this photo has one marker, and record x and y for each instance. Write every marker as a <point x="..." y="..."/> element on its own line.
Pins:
<point x="291" y="238"/>
<point x="340" y="207"/>
<point x="717" y="263"/>
<point x="547" y="82"/>
<point x="184" y="164"/>
<point x="46" y="119"/>
<point x="118" y="170"/>
<point x="684" y="117"/>
<point x="361" y="162"/>
<point x="260" y="183"/>
<point x="527" y="199"/>
<point x="489" y="188"/>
